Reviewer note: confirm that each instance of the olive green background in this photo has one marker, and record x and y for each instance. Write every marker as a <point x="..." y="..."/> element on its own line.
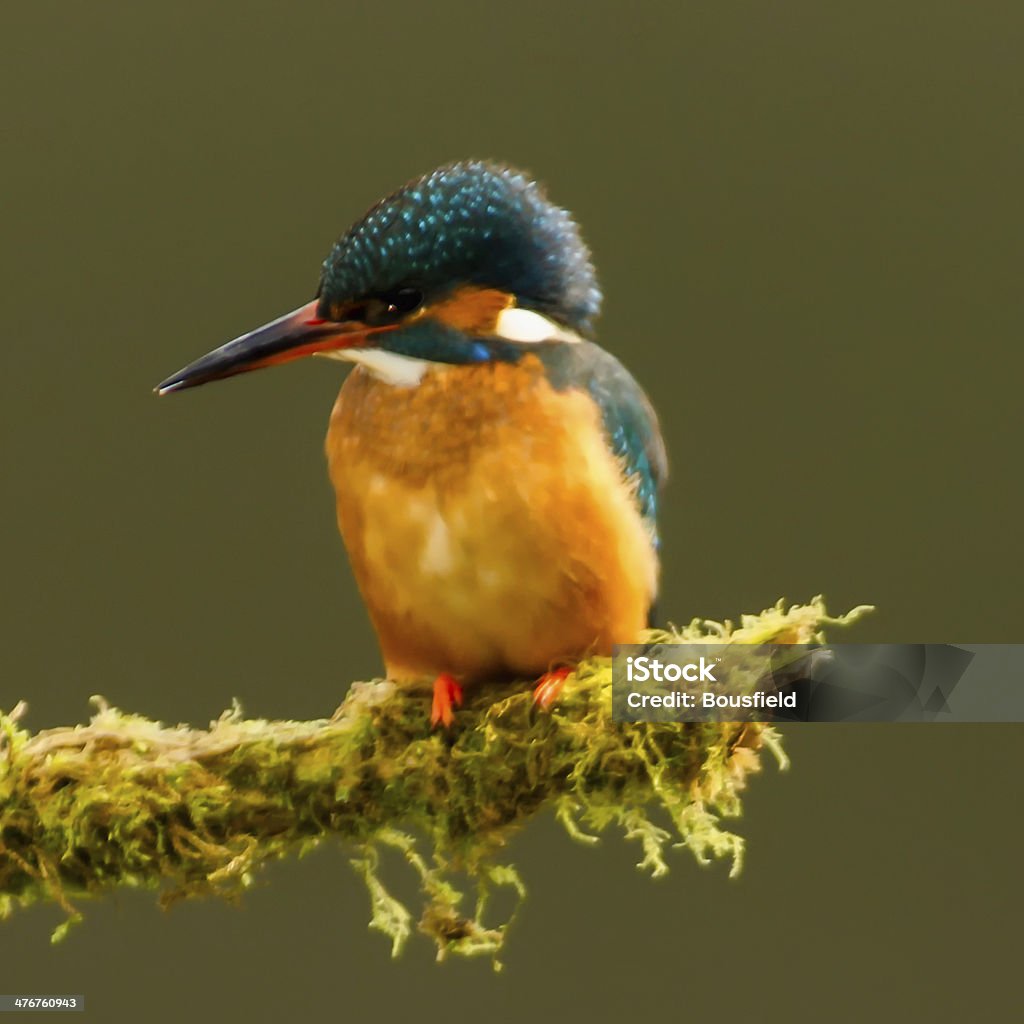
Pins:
<point x="807" y="219"/>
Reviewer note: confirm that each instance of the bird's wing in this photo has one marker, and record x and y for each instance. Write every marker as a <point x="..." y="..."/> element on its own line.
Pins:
<point x="629" y="419"/>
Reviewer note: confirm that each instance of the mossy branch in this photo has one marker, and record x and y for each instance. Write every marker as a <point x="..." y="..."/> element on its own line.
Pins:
<point x="124" y="801"/>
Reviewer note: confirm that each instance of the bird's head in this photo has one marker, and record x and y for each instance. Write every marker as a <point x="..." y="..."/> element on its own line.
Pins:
<point x="470" y="263"/>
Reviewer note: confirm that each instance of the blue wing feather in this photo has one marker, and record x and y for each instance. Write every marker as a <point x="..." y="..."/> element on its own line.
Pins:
<point x="630" y="423"/>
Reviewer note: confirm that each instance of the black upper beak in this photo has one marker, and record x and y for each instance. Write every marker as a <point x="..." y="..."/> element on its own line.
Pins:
<point x="292" y="336"/>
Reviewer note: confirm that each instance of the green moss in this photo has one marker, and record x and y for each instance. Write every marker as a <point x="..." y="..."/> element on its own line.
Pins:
<point x="191" y="813"/>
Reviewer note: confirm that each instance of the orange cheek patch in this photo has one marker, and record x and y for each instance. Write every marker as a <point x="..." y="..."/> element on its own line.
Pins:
<point x="472" y="310"/>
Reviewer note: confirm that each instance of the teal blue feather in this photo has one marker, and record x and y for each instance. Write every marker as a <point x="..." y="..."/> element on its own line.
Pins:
<point x="631" y="426"/>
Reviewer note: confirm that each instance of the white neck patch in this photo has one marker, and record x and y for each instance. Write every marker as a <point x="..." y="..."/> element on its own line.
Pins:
<point x="524" y="325"/>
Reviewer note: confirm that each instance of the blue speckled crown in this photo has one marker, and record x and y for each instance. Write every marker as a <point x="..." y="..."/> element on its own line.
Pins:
<point x="468" y="223"/>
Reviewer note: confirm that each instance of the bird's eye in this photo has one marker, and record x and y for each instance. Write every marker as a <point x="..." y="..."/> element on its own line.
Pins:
<point x="402" y="301"/>
<point x="386" y="307"/>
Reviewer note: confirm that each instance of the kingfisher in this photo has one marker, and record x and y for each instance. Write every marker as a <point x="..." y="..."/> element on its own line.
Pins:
<point x="496" y="472"/>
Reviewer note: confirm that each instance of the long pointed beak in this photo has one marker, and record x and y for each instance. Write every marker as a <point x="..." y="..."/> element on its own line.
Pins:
<point x="292" y="336"/>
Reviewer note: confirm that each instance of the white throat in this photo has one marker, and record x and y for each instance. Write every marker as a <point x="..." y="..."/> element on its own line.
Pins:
<point x="389" y="367"/>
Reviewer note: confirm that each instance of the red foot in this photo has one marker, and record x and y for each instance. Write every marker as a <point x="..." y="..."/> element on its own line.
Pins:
<point x="549" y="687"/>
<point x="447" y="694"/>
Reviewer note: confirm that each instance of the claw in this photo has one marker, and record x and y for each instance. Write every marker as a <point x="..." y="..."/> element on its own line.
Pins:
<point x="447" y="694"/>
<point x="549" y="687"/>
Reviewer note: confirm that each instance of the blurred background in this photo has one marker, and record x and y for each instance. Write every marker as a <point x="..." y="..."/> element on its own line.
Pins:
<point x="807" y="220"/>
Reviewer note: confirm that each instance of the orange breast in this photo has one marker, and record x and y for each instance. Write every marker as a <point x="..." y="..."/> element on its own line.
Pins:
<point x="490" y="530"/>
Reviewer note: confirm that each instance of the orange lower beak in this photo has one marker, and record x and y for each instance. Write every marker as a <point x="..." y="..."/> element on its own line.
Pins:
<point x="292" y="336"/>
